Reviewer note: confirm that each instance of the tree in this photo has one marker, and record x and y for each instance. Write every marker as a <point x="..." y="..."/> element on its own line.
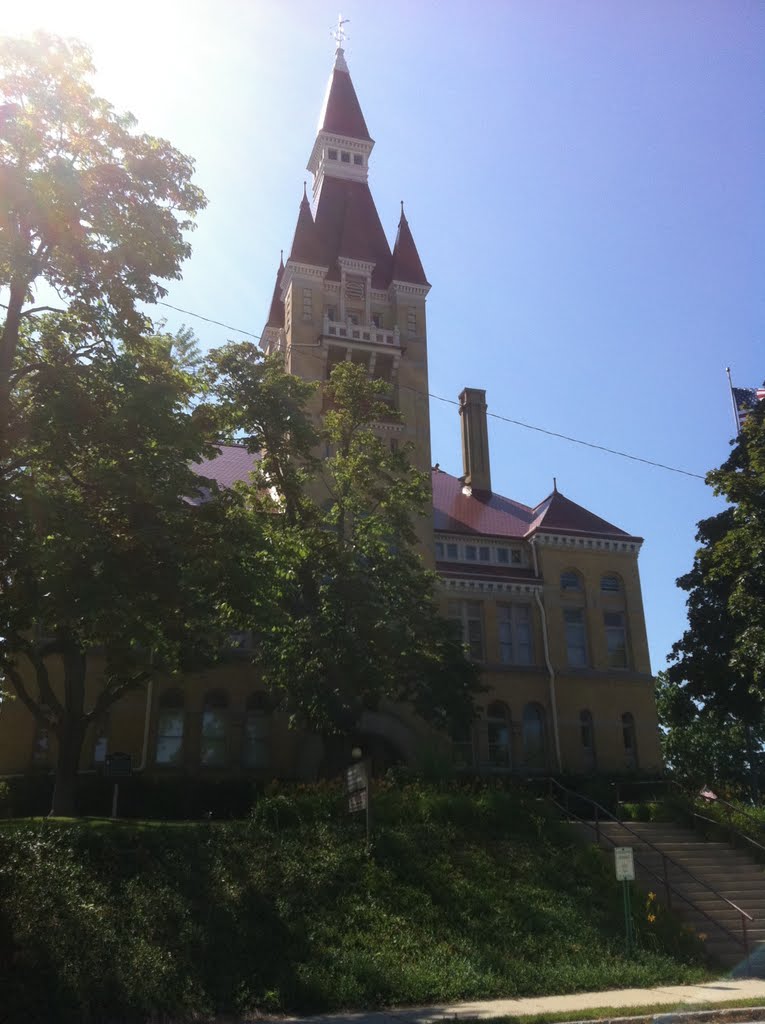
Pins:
<point x="353" y="617"/>
<point x="88" y="206"/>
<point x="719" y="663"/>
<point x="101" y="579"/>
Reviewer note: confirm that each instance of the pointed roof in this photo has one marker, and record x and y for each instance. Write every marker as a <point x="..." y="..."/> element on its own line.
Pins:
<point x="276" y="312"/>
<point x="558" y="514"/>
<point x="341" y="113"/>
<point x="406" y="260"/>
<point x="306" y="244"/>
<point x="348" y="225"/>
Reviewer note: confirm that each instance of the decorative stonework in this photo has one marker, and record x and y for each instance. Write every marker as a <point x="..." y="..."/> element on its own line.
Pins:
<point x="480" y="586"/>
<point x="595" y="544"/>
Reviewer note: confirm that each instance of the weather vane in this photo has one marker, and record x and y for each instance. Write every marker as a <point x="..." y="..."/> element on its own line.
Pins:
<point x="338" y="33"/>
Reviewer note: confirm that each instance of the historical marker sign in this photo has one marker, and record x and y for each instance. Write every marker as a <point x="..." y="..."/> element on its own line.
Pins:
<point x="118" y="766"/>
<point x="356" y="778"/>
<point x="625" y="864"/>
<point x="358" y="801"/>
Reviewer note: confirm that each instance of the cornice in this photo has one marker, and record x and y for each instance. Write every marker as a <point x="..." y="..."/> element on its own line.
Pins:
<point x="479" y="586"/>
<point x="406" y="288"/>
<point x="364" y="267"/>
<point x="293" y="269"/>
<point x="629" y="545"/>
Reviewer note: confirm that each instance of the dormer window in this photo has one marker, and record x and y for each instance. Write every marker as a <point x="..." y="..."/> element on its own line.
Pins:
<point x="358" y="159"/>
<point x="345" y="157"/>
<point x="332" y="154"/>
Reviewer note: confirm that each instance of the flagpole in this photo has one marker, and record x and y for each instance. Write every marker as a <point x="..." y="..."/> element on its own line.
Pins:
<point x="736" y="423"/>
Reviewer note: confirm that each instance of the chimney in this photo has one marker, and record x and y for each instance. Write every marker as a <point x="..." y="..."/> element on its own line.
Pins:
<point x="475" y="439"/>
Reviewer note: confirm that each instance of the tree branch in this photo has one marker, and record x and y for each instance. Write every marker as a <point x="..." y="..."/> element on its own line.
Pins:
<point x="41" y="309"/>
<point x="26" y="698"/>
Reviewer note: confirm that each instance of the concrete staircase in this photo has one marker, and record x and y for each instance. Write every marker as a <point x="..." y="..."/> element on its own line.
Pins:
<point x="694" y="866"/>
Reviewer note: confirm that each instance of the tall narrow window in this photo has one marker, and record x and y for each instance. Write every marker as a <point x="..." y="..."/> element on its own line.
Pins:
<point x="498" y="729"/>
<point x="534" y="747"/>
<point x="610" y="584"/>
<point x="41" y="747"/>
<point x="570" y="580"/>
<point x="101" y="741"/>
<point x="576" y="641"/>
<point x="469" y="617"/>
<point x="170" y="724"/>
<point x="411" y="321"/>
<point x="256" y="748"/>
<point x="587" y="735"/>
<point x="307" y="304"/>
<point x="630" y="741"/>
<point x="462" y="746"/>
<point x="515" y="634"/>
<point x="616" y="639"/>
<point x="214" y="730"/>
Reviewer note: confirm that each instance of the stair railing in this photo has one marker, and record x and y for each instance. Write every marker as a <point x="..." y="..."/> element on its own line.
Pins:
<point x="561" y="796"/>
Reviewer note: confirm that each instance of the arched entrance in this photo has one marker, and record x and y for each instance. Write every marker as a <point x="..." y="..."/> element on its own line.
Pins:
<point x="381" y="738"/>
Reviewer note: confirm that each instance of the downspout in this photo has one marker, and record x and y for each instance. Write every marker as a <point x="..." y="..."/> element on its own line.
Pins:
<point x="147" y="718"/>
<point x="548" y="662"/>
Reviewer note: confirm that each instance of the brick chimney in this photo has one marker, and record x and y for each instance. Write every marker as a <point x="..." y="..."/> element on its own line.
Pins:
<point x="475" y="439"/>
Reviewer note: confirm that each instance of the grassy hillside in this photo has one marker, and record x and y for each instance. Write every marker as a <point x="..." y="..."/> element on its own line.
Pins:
<point x="464" y="894"/>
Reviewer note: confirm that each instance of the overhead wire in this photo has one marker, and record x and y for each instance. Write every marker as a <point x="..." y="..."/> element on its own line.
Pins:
<point x="492" y="415"/>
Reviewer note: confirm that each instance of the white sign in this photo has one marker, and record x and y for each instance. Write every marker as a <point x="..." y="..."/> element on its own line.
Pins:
<point x="625" y="864"/>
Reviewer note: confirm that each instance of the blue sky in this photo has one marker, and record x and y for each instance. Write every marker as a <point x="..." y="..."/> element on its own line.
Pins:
<point x="584" y="181"/>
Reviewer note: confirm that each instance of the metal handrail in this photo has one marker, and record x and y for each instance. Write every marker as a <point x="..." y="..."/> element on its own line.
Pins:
<point x="666" y="861"/>
<point x="733" y="831"/>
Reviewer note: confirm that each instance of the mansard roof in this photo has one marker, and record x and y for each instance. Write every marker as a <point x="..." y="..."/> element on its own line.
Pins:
<point x="341" y="113"/>
<point x="457" y="510"/>
<point x="407" y="265"/>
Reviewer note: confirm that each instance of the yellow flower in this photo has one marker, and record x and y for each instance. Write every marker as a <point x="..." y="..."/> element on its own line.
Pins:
<point x="651" y="918"/>
<point x="703" y="936"/>
<point x="651" y="897"/>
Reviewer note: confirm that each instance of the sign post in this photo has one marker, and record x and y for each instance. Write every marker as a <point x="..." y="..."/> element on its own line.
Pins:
<point x="117" y="766"/>
<point x="357" y="786"/>
<point x="624" y="862"/>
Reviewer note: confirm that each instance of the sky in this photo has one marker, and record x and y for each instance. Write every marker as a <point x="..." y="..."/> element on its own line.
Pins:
<point x="584" y="182"/>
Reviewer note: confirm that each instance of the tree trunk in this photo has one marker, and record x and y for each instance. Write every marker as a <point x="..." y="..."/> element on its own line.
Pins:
<point x="70" y="734"/>
<point x="9" y="341"/>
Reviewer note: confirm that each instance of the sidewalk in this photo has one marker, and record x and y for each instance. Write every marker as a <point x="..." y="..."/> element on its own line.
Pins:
<point x="724" y="990"/>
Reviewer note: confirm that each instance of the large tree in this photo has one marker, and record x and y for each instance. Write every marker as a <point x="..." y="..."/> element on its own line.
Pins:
<point x="719" y="663"/>
<point x="353" y="615"/>
<point x="88" y="206"/>
<point x="109" y="570"/>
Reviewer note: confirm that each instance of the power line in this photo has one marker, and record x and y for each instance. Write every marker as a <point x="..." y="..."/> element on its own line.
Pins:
<point x="493" y="415"/>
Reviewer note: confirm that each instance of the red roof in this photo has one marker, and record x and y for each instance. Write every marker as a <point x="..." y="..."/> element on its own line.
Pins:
<point x="341" y="114"/>
<point x="406" y="259"/>
<point x="276" y="312"/>
<point x="483" y="512"/>
<point x="348" y="225"/>
<point x="232" y="464"/>
<point x="307" y="245"/>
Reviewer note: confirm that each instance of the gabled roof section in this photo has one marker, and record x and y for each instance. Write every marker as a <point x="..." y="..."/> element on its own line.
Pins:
<point x="558" y="514"/>
<point x="341" y="113"/>
<point x="232" y="464"/>
<point x="406" y="260"/>
<point x="276" y="312"/>
<point x="306" y="244"/>
<point x="347" y="224"/>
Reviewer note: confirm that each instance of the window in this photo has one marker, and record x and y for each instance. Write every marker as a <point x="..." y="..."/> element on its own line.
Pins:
<point x="515" y="634"/>
<point x="170" y="728"/>
<point x="576" y="643"/>
<point x="587" y="734"/>
<point x="498" y="729"/>
<point x="471" y="552"/>
<point x="334" y="356"/>
<point x="468" y="616"/>
<point x="345" y="157"/>
<point x="452" y="551"/>
<point x="616" y="639"/>
<point x="570" y="580"/>
<point x="485" y="553"/>
<point x="534" y="749"/>
<point x="440" y="550"/>
<point x="411" y="321"/>
<point x="610" y="584"/>
<point x="214" y="721"/>
<point x="332" y="154"/>
<point x="462" y="746"/>
<point x="101" y="743"/>
<point x="377" y="319"/>
<point x="358" y="159"/>
<point x="307" y="304"/>
<point x="503" y="555"/>
<point x="256" y="747"/>
<point x="630" y="744"/>
<point x="515" y="556"/>
<point x="332" y="313"/>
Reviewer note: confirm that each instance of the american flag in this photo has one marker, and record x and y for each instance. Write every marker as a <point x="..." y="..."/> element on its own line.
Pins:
<point x="744" y="400"/>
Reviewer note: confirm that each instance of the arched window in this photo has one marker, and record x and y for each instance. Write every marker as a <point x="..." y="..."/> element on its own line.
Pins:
<point x="256" y="744"/>
<point x="462" y="745"/>
<point x="534" y="748"/>
<point x="570" y="580"/>
<point x="630" y="741"/>
<point x="587" y="735"/>
<point x="214" y="729"/>
<point x="610" y="584"/>
<point x="498" y="728"/>
<point x="170" y="722"/>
